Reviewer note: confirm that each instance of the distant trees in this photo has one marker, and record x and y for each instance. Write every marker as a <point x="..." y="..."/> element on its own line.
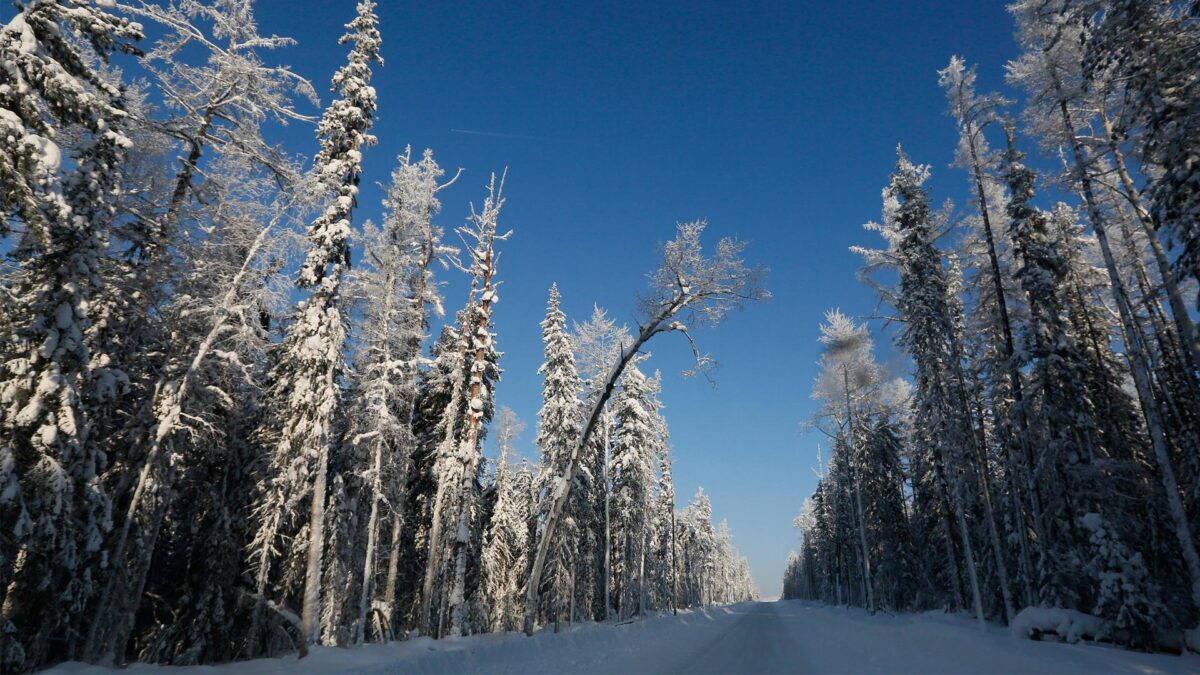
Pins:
<point x="1057" y="437"/>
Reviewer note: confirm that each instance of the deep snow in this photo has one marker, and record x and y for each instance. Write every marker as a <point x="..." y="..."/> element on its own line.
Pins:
<point x="762" y="637"/>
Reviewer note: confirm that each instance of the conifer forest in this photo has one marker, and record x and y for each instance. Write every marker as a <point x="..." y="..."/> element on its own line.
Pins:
<point x="240" y="419"/>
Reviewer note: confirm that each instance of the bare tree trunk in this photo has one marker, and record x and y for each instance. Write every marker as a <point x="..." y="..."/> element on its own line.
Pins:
<point x="968" y="554"/>
<point x="432" y="561"/>
<point x="642" y="574"/>
<point x="674" y="567"/>
<point x="393" y="570"/>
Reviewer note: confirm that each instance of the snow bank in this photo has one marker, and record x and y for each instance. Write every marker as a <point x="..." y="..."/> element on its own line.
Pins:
<point x="765" y="637"/>
<point x="1069" y="624"/>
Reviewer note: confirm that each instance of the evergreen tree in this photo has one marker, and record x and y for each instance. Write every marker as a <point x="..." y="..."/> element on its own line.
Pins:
<point x="306" y="389"/>
<point x="940" y="419"/>
<point x="506" y="540"/>
<point x="633" y="482"/>
<point x="57" y="377"/>
<point x="558" y="430"/>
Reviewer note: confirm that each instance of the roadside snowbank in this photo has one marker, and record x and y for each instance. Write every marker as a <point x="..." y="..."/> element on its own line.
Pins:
<point x="788" y="636"/>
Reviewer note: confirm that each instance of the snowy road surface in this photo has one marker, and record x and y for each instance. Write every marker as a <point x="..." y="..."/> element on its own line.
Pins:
<point x="762" y="637"/>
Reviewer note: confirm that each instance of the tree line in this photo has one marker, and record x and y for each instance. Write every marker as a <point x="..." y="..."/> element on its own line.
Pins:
<point x="220" y="439"/>
<point x="1045" y="451"/>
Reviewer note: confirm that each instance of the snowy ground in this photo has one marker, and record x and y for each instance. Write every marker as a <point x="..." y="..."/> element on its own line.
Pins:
<point x="763" y="637"/>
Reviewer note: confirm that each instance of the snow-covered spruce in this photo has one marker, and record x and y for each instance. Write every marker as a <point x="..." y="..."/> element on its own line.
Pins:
<point x="57" y="378"/>
<point x="305" y="382"/>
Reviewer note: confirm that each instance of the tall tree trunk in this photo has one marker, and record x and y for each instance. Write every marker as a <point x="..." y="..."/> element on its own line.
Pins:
<point x="393" y="569"/>
<point x="1014" y="376"/>
<point x="1139" y="364"/>
<point x="469" y="451"/>
<point x="968" y="553"/>
<point x="1179" y="312"/>
<point x="310" y="613"/>
<point x="433" y="560"/>
<point x="368" y="574"/>
<point x="607" y="521"/>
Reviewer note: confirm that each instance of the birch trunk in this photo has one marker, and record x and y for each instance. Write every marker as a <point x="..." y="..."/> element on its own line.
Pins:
<point x="368" y="575"/>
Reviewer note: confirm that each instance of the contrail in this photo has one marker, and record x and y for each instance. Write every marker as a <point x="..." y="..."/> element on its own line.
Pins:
<point x="496" y="134"/>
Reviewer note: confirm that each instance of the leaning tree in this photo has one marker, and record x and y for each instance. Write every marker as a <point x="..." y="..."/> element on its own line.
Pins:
<point x="689" y="289"/>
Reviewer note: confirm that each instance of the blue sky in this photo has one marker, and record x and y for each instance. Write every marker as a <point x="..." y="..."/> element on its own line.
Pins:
<point x="776" y="121"/>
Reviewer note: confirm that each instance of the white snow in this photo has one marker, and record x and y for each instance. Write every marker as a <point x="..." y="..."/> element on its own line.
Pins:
<point x="1071" y="625"/>
<point x="787" y="636"/>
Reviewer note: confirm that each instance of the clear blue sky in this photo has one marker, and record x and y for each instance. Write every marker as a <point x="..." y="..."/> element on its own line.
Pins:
<point x="776" y="121"/>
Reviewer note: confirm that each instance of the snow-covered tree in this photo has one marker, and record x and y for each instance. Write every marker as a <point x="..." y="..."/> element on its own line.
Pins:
<point x="506" y="540"/>
<point x="395" y="295"/>
<point x="459" y="453"/>
<point x="1150" y="47"/>
<point x="56" y="375"/>
<point x="558" y="430"/>
<point x="305" y="389"/>
<point x="942" y="424"/>
<point x="688" y="289"/>
<point x="226" y="229"/>
<point x="598" y="343"/>
<point x="633" y="479"/>
<point x="1051" y="71"/>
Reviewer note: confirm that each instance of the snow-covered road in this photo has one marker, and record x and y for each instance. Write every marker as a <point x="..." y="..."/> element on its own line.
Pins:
<point x="758" y="640"/>
<point x="762" y="637"/>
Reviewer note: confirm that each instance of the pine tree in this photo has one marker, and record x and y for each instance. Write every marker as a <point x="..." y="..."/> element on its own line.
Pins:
<point x="930" y="335"/>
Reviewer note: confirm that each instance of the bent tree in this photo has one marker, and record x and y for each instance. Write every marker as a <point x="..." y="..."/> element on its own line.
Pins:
<point x="689" y="289"/>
